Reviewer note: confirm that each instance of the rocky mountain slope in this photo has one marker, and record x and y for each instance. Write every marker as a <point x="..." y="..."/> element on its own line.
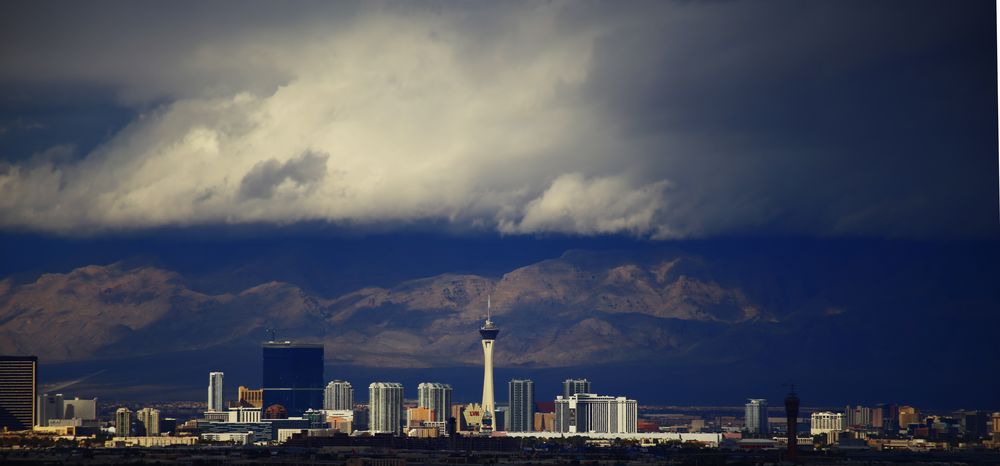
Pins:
<point x="572" y="310"/>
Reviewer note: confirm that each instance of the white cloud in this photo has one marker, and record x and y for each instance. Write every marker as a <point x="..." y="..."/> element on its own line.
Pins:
<point x="395" y="118"/>
<point x="574" y="204"/>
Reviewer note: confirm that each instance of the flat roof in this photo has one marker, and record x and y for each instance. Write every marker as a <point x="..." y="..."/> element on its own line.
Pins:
<point x="289" y="344"/>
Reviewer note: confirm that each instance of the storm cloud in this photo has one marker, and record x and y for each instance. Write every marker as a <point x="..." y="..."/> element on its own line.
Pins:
<point x="657" y="120"/>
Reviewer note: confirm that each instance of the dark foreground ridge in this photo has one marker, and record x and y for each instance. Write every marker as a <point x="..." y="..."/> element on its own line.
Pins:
<point x="388" y="450"/>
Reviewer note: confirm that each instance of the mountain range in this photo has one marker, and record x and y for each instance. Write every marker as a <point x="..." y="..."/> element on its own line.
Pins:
<point x="560" y="312"/>
<point x="704" y="322"/>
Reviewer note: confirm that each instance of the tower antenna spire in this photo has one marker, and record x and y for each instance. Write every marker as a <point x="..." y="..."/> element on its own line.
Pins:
<point x="488" y="306"/>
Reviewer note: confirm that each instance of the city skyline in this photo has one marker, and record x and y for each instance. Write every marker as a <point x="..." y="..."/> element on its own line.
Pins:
<point x="768" y="230"/>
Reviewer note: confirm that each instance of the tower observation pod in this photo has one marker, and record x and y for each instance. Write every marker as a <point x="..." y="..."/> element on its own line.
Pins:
<point x="488" y="332"/>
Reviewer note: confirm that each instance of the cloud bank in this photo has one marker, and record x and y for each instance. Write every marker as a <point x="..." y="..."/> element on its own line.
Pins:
<point x="657" y="120"/>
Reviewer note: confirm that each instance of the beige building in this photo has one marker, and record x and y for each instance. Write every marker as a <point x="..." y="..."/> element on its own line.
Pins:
<point x="251" y="398"/>
<point x="423" y="432"/>
<point x="150" y="419"/>
<point x="123" y="422"/>
<point x="908" y="415"/>
<point x="545" y="422"/>
<point x="416" y="417"/>
<point x="119" y="442"/>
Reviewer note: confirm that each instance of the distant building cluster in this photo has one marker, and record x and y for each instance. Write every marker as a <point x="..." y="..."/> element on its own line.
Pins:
<point x="295" y="401"/>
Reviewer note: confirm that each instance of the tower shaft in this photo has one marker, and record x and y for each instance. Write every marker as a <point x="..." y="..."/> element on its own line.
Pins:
<point x="489" y="407"/>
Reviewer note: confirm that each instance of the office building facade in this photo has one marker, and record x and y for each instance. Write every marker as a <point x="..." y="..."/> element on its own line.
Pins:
<point x="521" y="396"/>
<point x="755" y="416"/>
<point x="18" y="392"/>
<point x="292" y="376"/>
<point x="385" y="407"/>
<point x="215" y="391"/>
<point x="339" y="394"/>
<point x="437" y="398"/>
<point x="591" y="413"/>
<point x="573" y="386"/>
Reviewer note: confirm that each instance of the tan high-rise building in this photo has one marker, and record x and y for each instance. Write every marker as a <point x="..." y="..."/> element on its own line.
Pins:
<point x="908" y="415"/>
<point x="123" y="422"/>
<point x="150" y="419"/>
<point x="996" y="426"/>
<point x="251" y="398"/>
<point x="416" y="417"/>
<point x="545" y="422"/>
<point x="458" y="412"/>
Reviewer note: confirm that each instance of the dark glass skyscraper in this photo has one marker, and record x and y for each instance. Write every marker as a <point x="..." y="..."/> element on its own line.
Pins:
<point x="18" y="391"/>
<point x="292" y="376"/>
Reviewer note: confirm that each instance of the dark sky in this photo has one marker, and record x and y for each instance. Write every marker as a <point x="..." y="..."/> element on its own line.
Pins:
<point x="810" y="149"/>
<point x="656" y="120"/>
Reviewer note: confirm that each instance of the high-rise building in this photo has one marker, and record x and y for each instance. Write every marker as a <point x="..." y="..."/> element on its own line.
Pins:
<point x="755" y="418"/>
<point x="416" y="417"/>
<point x="859" y="417"/>
<point x="215" y="392"/>
<point x="18" y="392"/>
<point x="150" y="420"/>
<point x="588" y="412"/>
<point x="250" y="398"/>
<point x="488" y="332"/>
<point x="792" y="422"/>
<point x="890" y="418"/>
<point x="545" y="422"/>
<point x="908" y="415"/>
<point x="49" y="407"/>
<point x="123" y="422"/>
<point x="976" y="424"/>
<point x="80" y="409"/>
<point x="573" y="386"/>
<point x="521" y="396"/>
<point x="385" y="407"/>
<point x="339" y="394"/>
<point x="995" y="430"/>
<point x="825" y="422"/>
<point x="436" y="397"/>
<point x="292" y="376"/>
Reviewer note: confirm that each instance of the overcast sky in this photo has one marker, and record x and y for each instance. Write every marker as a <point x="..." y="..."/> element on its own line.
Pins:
<point x="658" y="120"/>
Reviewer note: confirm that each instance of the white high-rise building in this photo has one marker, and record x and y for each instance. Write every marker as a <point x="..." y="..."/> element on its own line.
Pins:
<point x="826" y="423"/>
<point x="488" y="332"/>
<point x="215" y="392"/>
<point x="385" y="407"/>
<point x="150" y="420"/>
<point x="437" y="398"/>
<point x="80" y="409"/>
<point x="339" y="394"/>
<point x="587" y="412"/>
<point x="521" y="414"/>
<point x="755" y="418"/>
<point x="573" y="386"/>
<point x="49" y="407"/>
